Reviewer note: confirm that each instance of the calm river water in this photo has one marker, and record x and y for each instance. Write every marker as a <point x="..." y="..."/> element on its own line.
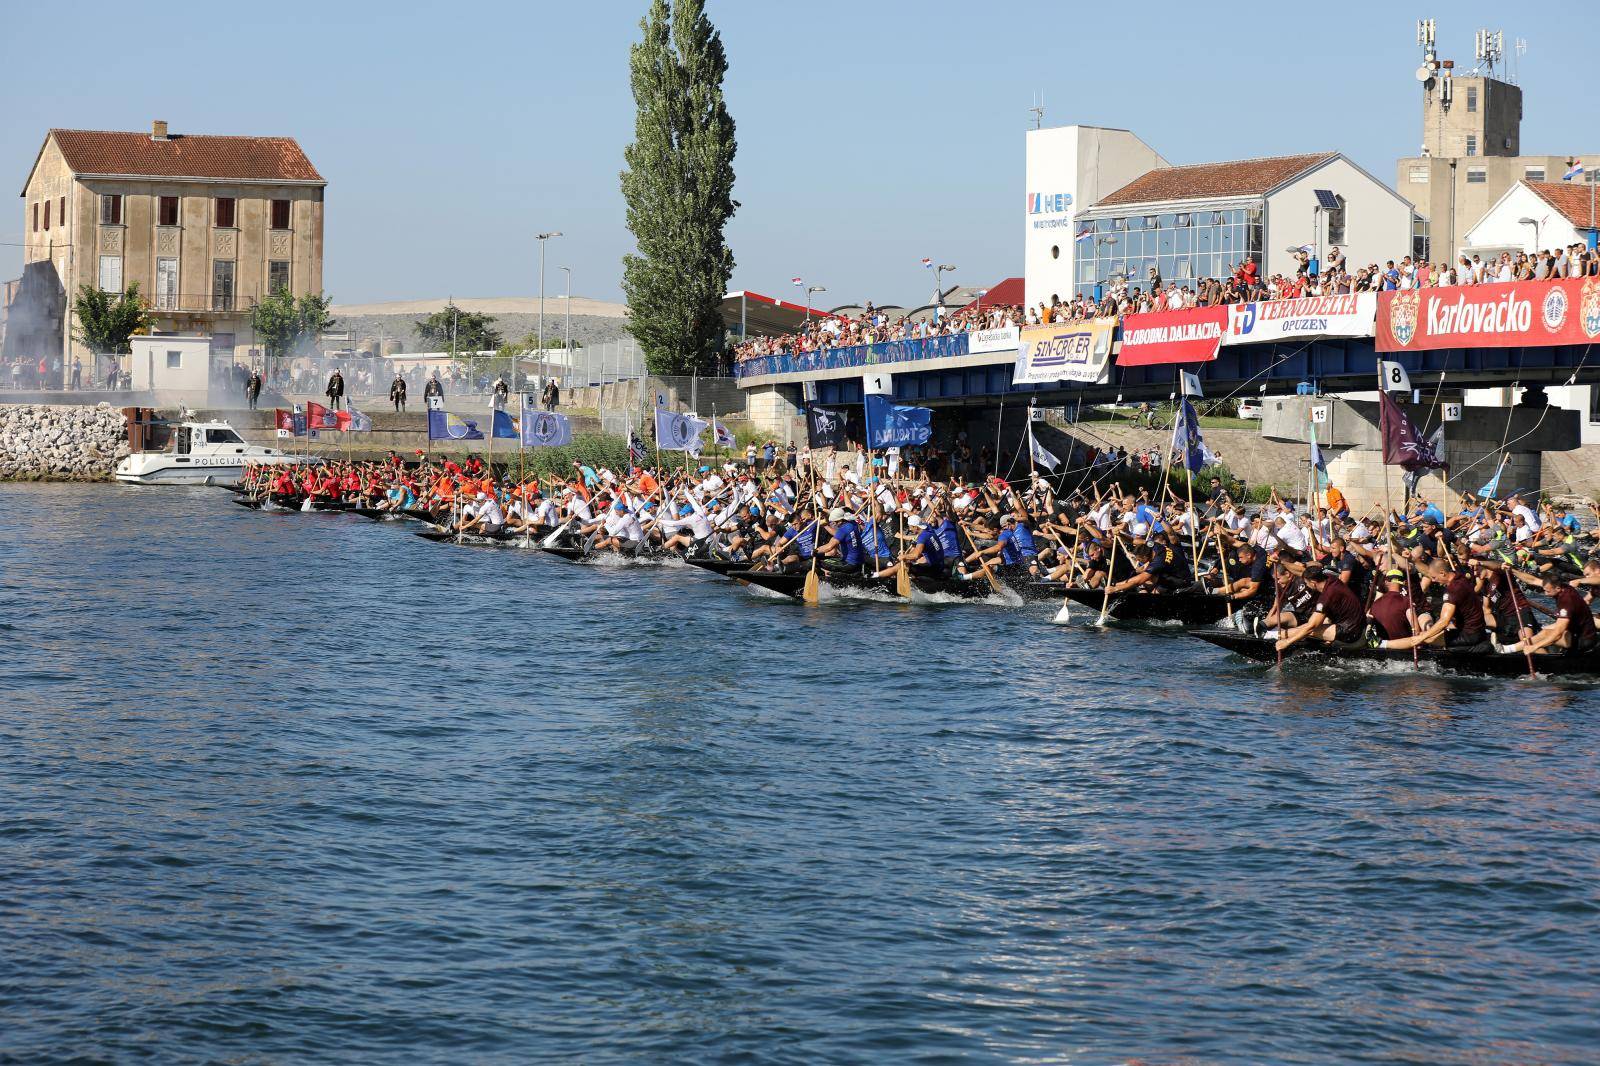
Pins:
<point x="304" y="788"/>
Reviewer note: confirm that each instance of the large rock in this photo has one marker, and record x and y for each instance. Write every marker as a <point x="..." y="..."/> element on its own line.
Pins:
<point x="43" y="442"/>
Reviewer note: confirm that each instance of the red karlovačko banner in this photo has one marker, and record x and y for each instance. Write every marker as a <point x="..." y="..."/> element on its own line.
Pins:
<point x="1191" y="335"/>
<point x="1509" y="314"/>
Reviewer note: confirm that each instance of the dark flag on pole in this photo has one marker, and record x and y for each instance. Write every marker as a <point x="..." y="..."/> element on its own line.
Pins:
<point x="825" y="427"/>
<point x="1403" y="443"/>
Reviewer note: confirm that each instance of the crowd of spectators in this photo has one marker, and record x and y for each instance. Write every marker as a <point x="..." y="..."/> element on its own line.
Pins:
<point x="1330" y="277"/>
<point x="875" y="326"/>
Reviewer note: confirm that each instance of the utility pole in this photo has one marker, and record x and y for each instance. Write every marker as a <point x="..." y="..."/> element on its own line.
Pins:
<point x="542" y="237"/>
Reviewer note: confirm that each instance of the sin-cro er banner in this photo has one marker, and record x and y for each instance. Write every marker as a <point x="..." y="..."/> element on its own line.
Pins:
<point x="1191" y="335"/>
<point x="1064" y="351"/>
<point x="1513" y="314"/>
<point x="1351" y="315"/>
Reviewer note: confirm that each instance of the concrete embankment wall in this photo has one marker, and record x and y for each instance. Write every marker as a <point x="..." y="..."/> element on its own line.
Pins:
<point x="50" y="442"/>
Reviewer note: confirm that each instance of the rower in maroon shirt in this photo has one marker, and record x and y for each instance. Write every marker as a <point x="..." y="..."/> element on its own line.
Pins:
<point x="1460" y="625"/>
<point x="1391" y="611"/>
<point x="1573" y="627"/>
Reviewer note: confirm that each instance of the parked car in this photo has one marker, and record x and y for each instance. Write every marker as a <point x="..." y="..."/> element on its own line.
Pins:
<point x="1250" y="408"/>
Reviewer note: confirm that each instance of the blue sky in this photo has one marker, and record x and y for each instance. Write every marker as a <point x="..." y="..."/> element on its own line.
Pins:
<point x="871" y="134"/>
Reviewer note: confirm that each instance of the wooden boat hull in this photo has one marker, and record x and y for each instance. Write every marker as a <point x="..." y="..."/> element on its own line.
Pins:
<point x="720" y="567"/>
<point x="1491" y="664"/>
<point x="1188" y="608"/>
<point x="787" y="584"/>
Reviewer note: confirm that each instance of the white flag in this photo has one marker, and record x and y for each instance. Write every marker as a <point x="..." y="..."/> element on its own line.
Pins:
<point x="1040" y="453"/>
<point x="1392" y="377"/>
<point x="1191" y="383"/>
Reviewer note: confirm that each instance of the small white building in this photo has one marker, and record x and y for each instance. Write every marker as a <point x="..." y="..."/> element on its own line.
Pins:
<point x="1535" y="216"/>
<point x="173" y="363"/>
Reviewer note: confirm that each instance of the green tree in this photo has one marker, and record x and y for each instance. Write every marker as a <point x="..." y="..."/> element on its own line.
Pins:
<point x="283" y="324"/>
<point x="678" y="186"/>
<point x="472" y="331"/>
<point x="106" y="320"/>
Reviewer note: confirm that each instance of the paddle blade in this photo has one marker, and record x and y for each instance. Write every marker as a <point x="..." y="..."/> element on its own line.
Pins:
<point x="551" y="539"/>
<point x="812" y="593"/>
<point x="1063" y="616"/>
<point x="902" y="582"/>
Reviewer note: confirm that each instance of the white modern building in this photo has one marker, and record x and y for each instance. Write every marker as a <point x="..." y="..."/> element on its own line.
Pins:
<point x="1533" y="216"/>
<point x="1068" y="168"/>
<point x="1203" y="221"/>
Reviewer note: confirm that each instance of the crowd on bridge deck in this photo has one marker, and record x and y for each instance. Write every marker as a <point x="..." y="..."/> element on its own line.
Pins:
<point x="1330" y="277"/>
<point x="874" y="325"/>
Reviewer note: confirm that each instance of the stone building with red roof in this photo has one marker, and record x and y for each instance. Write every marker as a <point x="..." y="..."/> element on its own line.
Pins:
<point x="206" y="225"/>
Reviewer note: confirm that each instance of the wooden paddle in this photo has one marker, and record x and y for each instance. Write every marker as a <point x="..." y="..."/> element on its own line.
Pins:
<point x="1111" y="566"/>
<point x="994" y="581"/>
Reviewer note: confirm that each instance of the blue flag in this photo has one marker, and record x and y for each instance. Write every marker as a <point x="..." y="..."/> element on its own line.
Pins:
<point x="1319" y="462"/>
<point x="503" y="425"/>
<point x="442" y="425"/>
<point x="892" y="426"/>
<point x="1186" y="439"/>
<point x="544" y="429"/>
<point x="1492" y="487"/>
<point x="679" y="432"/>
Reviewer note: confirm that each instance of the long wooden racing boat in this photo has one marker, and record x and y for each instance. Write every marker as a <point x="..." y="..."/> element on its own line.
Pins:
<point x="506" y="538"/>
<point x="1483" y="664"/>
<point x="1188" y="608"/>
<point x="792" y="583"/>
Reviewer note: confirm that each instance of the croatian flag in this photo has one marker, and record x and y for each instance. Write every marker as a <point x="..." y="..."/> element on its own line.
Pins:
<point x="928" y="263"/>
<point x="1577" y="168"/>
<point x="799" y="281"/>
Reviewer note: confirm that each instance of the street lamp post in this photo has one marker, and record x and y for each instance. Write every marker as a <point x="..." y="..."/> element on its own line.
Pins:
<point x="542" y="238"/>
<point x="938" y="286"/>
<point x="809" y="290"/>
<point x="1525" y="221"/>
<point x="568" y="329"/>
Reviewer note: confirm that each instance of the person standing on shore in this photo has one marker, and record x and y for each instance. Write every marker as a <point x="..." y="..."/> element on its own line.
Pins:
<point x="433" y="390"/>
<point x="335" y="390"/>
<point x="397" y="393"/>
<point x="252" y="389"/>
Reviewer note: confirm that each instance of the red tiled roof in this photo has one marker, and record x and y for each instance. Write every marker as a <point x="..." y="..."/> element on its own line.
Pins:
<point x="1568" y="197"/>
<point x="1007" y="293"/>
<point x="1242" y="177"/>
<point x="186" y="156"/>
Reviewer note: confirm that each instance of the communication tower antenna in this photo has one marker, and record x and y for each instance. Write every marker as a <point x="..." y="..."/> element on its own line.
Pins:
<point x="1519" y="49"/>
<point x="1037" y="110"/>
<point x="1425" y="31"/>
<point x="1489" y="47"/>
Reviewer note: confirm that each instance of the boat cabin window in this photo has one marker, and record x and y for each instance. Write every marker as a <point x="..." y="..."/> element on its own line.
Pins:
<point x="223" y="436"/>
<point x="182" y="439"/>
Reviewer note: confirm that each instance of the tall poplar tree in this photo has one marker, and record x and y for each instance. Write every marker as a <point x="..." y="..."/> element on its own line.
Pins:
<point x="678" y="186"/>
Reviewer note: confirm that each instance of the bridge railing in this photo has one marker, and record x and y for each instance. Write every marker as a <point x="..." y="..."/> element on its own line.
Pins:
<point x="909" y="350"/>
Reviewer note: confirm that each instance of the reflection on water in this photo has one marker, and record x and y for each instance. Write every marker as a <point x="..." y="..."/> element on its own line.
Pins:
<point x="293" y="787"/>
